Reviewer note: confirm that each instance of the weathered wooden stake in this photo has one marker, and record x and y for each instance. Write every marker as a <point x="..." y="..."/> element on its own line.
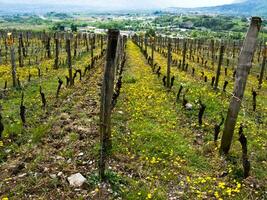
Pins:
<point x="244" y="65"/>
<point x="69" y="61"/>
<point x="13" y="69"/>
<point x="20" y="50"/>
<point x="1" y="124"/>
<point x="263" y="66"/>
<point x="56" y="53"/>
<point x="92" y="42"/>
<point x="106" y="100"/>
<point x="219" y="68"/>
<point x="152" y="53"/>
<point x="184" y="55"/>
<point x="169" y="63"/>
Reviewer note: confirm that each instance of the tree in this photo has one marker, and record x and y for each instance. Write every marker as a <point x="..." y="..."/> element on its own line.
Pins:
<point x="150" y="33"/>
<point x="73" y="27"/>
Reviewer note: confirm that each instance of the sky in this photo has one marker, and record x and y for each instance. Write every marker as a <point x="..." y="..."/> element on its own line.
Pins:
<point x="145" y="4"/>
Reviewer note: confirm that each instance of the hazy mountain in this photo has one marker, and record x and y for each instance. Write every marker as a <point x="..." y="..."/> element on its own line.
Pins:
<point x="42" y="8"/>
<point x="248" y="8"/>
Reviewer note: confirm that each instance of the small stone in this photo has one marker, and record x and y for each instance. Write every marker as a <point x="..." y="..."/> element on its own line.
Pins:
<point x="46" y="169"/>
<point x="22" y="175"/>
<point x="188" y="106"/>
<point x="76" y="180"/>
<point x="53" y="176"/>
<point x="59" y="158"/>
<point x="60" y="174"/>
<point x="8" y="150"/>
<point x="81" y="154"/>
<point x="64" y="116"/>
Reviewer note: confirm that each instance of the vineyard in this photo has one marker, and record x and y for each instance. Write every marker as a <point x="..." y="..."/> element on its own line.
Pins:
<point x="132" y="117"/>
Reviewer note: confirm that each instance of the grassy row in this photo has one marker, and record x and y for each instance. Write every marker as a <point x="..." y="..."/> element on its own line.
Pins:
<point x="159" y="149"/>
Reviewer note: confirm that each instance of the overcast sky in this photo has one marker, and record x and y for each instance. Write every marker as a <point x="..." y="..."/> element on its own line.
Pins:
<point x="128" y="3"/>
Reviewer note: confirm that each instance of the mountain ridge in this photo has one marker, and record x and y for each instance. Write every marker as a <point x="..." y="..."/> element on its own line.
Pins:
<point x="246" y="8"/>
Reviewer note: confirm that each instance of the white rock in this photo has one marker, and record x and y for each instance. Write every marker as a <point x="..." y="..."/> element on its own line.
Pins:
<point x="60" y="174"/>
<point x="46" y="169"/>
<point x="22" y="175"/>
<point x="81" y="154"/>
<point x="76" y="180"/>
<point x="188" y="106"/>
<point x="59" y="158"/>
<point x="53" y="176"/>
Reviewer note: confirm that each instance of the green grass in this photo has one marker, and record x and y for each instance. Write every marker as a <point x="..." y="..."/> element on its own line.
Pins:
<point x="153" y="139"/>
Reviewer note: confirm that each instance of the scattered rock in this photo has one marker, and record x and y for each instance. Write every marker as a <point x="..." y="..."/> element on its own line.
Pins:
<point x="64" y="116"/>
<point x="22" y="175"/>
<point x="76" y="180"/>
<point x="59" y="158"/>
<point x="60" y="174"/>
<point x="53" y="176"/>
<point x="188" y="106"/>
<point x="81" y="154"/>
<point x="46" y="169"/>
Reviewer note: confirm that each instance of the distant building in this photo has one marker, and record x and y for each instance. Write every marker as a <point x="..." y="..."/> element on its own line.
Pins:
<point x="67" y="28"/>
<point x="127" y="33"/>
<point x="187" y="25"/>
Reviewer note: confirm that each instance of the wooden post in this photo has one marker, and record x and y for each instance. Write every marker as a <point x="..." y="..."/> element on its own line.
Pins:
<point x="48" y="50"/>
<point x="184" y="54"/>
<point x="190" y="49"/>
<point x="146" y="45"/>
<point x="20" y="50"/>
<point x="13" y="64"/>
<point x="101" y="43"/>
<point x="219" y="67"/>
<point x="75" y="46"/>
<point x="234" y="49"/>
<point x="57" y="51"/>
<point x="152" y="53"/>
<point x="69" y="60"/>
<point x="169" y="63"/>
<point x="106" y="100"/>
<point x="244" y="65"/>
<point x="212" y="53"/>
<point x="263" y="66"/>
<point x="92" y="42"/>
<point x="10" y="43"/>
<point x="259" y="53"/>
<point x="86" y="42"/>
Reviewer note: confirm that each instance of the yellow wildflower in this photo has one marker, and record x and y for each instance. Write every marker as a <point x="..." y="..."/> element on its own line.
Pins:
<point x="149" y="196"/>
<point x="188" y="179"/>
<point x="216" y="194"/>
<point x="153" y="160"/>
<point x="222" y="185"/>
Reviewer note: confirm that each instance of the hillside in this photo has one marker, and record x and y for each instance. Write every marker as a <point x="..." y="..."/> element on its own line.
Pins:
<point x="248" y="8"/>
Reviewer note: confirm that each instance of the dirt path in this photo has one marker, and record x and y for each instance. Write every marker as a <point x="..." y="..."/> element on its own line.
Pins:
<point x="70" y="147"/>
